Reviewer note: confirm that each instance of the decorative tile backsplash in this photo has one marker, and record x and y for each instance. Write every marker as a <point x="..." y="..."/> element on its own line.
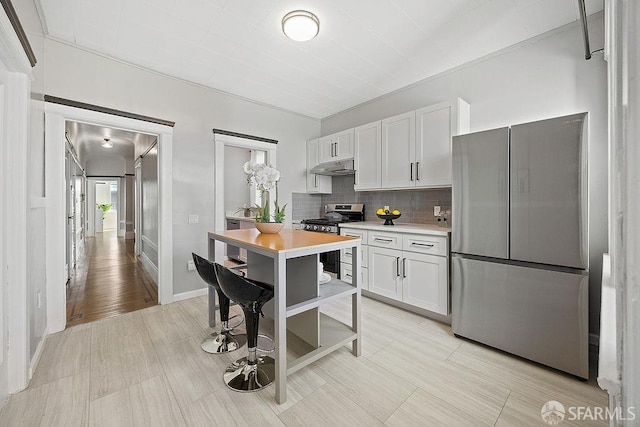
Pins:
<point x="416" y="205"/>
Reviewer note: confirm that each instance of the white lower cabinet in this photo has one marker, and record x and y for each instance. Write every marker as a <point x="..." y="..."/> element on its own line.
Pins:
<point x="424" y="279"/>
<point x="409" y="267"/>
<point x="346" y="273"/>
<point x="384" y="274"/>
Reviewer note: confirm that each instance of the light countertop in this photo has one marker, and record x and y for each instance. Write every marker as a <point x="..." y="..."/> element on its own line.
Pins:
<point x="287" y="240"/>
<point x="430" y="229"/>
<point x="241" y="218"/>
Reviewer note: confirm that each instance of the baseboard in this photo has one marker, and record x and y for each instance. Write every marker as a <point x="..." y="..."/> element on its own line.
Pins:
<point x="594" y="339"/>
<point x="190" y="294"/>
<point x="149" y="266"/>
<point x="36" y="356"/>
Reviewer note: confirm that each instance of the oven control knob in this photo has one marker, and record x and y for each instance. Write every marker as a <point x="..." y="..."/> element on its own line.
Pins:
<point x="322" y="228"/>
<point x="315" y="227"/>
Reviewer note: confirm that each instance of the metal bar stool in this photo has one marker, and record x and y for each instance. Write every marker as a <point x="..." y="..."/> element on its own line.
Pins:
<point x="250" y="373"/>
<point x="222" y="341"/>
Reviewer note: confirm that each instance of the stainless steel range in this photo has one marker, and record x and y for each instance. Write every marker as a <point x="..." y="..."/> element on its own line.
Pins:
<point x="334" y="214"/>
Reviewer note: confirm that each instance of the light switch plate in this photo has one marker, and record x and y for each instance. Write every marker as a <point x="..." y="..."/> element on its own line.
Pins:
<point x="191" y="265"/>
<point x="436" y="210"/>
<point x="193" y="219"/>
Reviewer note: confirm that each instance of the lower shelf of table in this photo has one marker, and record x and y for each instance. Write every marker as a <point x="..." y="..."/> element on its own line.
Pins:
<point x="333" y="335"/>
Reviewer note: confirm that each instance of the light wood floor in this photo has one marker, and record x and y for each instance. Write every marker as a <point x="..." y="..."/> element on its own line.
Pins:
<point x="109" y="280"/>
<point x="147" y="368"/>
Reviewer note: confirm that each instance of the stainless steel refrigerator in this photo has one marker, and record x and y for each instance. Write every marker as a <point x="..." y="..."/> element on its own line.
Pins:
<point x="519" y="241"/>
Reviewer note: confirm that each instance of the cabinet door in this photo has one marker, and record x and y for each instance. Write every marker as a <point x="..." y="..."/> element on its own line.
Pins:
<point x="326" y="148"/>
<point x="367" y="156"/>
<point x="433" y="146"/>
<point x="343" y="148"/>
<point x="424" y="282"/>
<point x="398" y="151"/>
<point x="385" y="272"/>
<point x="315" y="183"/>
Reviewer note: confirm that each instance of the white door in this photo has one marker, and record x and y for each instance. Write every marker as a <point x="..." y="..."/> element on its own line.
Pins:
<point x="326" y="148"/>
<point x="433" y="147"/>
<point x="424" y="282"/>
<point x="343" y="147"/>
<point x="398" y="151"/>
<point x="367" y="156"/>
<point x="70" y="204"/>
<point x="385" y="272"/>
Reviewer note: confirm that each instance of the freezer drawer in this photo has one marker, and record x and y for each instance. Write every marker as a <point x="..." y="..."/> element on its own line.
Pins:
<point x="549" y="192"/>
<point x="537" y="314"/>
<point x="480" y="224"/>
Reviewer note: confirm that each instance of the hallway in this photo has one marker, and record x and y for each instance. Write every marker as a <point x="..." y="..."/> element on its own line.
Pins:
<point x="109" y="280"/>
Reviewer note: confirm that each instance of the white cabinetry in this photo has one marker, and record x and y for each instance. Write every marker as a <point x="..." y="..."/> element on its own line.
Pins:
<point x="405" y="266"/>
<point x="435" y="127"/>
<point x="337" y="146"/>
<point x="368" y="156"/>
<point x="316" y="184"/>
<point x="346" y="258"/>
<point x="398" y="151"/>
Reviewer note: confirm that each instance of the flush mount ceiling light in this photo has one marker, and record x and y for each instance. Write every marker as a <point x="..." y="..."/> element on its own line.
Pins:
<point x="300" y="25"/>
<point x="107" y="143"/>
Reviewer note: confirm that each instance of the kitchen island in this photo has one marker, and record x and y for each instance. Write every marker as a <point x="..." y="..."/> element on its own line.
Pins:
<point x="289" y="261"/>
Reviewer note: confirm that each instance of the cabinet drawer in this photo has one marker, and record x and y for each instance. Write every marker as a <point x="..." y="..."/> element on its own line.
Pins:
<point x="434" y="245"/>
<point x="346" y="273"/>
<point x="362" y="234"/>
<point x="384" y="239"/>
<point x="346" y="257"/>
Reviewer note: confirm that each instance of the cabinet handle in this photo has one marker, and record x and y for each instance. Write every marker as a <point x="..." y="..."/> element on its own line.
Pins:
<point x="417" y="171"/>
<point x="335" y="149"/>
<point x="398" y="266"/>
<point x="404" y="268"/>
<point x="316" y="181"/>
<point x="348" y="275"/>
<point x="347" y="253"/>
<point x="378" y="239"/>
<point x="424" y="245"/>
<point x="351" y="235"/>
<point x="411" y="173"/>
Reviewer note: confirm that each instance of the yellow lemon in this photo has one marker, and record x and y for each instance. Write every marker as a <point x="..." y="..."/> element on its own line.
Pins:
<point x="396" y="212"/>
<point x="380" y="211"/>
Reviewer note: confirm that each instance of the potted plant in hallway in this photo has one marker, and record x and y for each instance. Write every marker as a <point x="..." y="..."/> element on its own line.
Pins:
<point x="266" y="179"/>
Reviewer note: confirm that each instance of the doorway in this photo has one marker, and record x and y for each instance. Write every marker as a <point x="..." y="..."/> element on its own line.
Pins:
<point x="56" y="117"/>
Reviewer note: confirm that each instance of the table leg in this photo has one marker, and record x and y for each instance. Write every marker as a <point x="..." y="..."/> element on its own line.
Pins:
<point x="356" y="301"/>
<point x="280" y="326"/>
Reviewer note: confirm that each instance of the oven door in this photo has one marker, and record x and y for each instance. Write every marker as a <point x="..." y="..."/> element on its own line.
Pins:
<point x="331" y="261"/>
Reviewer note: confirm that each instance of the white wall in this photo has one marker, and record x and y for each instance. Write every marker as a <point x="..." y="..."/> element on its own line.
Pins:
<point x="236" y="192"/>
<point x="103" y="192"/>
<point x="541" y="79"/>
<point x="107" y="166"/>
<point x="36" y="280"/>
<point x="79" y="75"/>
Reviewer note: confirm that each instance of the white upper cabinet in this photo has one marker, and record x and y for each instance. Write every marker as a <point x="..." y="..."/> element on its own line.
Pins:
<point x="368" y="156"/>
<point x="435" y="127"/>
<point x="398" y="151"/>
<point x="337" y="146"/>
<point x="315" y="183"/>
<point x="416" y="147"/>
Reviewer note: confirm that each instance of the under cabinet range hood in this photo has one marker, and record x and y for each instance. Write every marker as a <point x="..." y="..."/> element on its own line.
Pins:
<point x="336" y="168"/>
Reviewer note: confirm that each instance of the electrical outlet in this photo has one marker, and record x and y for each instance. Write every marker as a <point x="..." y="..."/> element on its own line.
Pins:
<point x="38" y="299"/>
<point x="436" y="210"/>
<point x="193" y="219"/>
<point x="191" y="265"/>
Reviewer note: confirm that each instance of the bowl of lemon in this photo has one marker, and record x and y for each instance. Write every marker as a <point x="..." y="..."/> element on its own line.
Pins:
<point x="388" y="215"/>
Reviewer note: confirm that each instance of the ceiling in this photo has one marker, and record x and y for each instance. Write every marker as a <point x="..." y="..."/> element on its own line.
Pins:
<point x="87" y="140"/>
<point x="365" y="49"/>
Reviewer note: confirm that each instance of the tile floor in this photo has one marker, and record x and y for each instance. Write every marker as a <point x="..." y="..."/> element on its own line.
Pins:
<point x="146" y="368"/>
